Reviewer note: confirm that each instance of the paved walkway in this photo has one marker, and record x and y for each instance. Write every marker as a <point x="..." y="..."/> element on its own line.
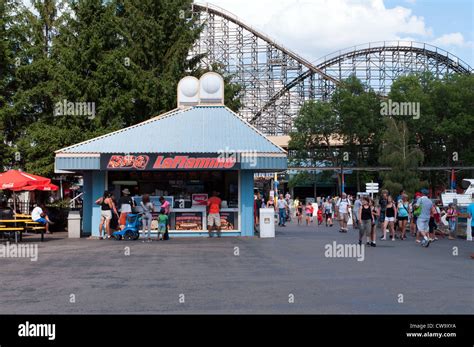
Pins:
<point x="288" y="274"/>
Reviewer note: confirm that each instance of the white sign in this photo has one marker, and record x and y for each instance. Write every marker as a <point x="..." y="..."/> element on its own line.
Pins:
<point x="372" y="187"/>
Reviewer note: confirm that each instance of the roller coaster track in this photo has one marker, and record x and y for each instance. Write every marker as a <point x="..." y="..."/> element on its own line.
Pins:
<point x="230" y="17"/>
<point x="277" y="81"/>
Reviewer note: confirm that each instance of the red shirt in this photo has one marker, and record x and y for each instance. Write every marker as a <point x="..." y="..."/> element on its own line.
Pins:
<point x="214" y="204"/>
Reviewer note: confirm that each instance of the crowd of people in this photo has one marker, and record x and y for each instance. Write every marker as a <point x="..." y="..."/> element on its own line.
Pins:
<point x="113" y="214"/>
<point x="394" y="217"/>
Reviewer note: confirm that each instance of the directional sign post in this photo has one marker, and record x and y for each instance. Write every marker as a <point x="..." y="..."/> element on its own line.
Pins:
<point x="372" y="188"/>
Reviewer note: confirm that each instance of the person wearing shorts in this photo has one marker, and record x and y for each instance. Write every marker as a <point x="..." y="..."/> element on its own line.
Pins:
<point x="126" y="204"/>
<point x="402" y="216"/>
<point x="328" y="212"/>
<point x="309" y="213"/>
<point x="390" y="213"/>
<point x="451" y="216"/>
<point x="423" y="219"/>
<point x="213" y="217"/>
<point x="365" y="219"/>
<point x="343" y="206"/>
<point x="38" y="215"/>
<point x="107" y="206"/>
<point x="299" y="212"/>
<point x="162" y="224"/>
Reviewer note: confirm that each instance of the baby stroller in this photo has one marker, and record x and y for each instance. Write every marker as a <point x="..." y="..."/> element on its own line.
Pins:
<point x="132" y="228"/>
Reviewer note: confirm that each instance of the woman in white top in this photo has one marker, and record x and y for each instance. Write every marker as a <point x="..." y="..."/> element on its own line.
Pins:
<point x="315" y="211"/>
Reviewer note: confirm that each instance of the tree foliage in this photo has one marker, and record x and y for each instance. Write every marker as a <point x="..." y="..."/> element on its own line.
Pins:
<point x="403" y="159"/>
<point x="352" y="122"/>
<point x="125" y="57"/>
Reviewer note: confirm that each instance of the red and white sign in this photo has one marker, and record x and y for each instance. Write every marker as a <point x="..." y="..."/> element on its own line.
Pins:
<point x="154" y="161"/>
<point x="200" y="199"/>
<point x="187" y="162"/>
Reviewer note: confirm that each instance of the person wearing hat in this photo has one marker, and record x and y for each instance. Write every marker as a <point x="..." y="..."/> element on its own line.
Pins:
<point x="423" y="220"/>
<point x="126" y="203"/>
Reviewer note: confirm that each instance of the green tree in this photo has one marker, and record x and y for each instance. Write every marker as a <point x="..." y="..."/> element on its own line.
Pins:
<point x="359" y="123"/>
<point x="124" y="57"/>
<point x="317" y="129"/>
<point x="453" y="106"/>
<point x="5" y="76"/>
<point x="403" y="159"/>
<point x="10" y="29"/>
<point x="443" y="130"/>
<point x="344" y="131"/>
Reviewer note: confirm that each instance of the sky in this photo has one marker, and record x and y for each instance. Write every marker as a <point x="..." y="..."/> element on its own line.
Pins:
<point x="314" y="28"/>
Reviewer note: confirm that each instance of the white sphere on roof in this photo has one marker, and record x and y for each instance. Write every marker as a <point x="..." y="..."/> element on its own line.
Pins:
<point x="189" y="86"/>
<point x="211" y="83"/>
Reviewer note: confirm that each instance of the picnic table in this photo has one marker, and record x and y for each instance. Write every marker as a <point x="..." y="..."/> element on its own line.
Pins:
<point x="7" y="227"/>
<point x="20" y="226"/>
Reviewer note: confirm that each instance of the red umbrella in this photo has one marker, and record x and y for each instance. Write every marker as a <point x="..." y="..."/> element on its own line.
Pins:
<point x="42" y="187"/>
<point x="13" y="179"/>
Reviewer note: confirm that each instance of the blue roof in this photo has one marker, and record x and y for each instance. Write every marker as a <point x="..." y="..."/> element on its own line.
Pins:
<point x="199" y="129"/>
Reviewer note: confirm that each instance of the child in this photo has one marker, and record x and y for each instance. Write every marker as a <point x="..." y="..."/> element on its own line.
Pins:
<point x="320" y="215"/>
<point x="162" y="224"/>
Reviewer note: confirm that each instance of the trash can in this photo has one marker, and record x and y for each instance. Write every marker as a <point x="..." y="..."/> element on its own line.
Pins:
<point x="267" y="222"/>
<point x="74" y="225"/>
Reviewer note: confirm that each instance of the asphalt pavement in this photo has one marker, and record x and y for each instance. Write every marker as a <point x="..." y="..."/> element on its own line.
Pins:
<point x="291" y="273"/>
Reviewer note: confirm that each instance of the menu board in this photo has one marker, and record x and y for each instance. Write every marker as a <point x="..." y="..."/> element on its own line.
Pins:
<point x="187" y="221"/>
<point x="229" y="220"/>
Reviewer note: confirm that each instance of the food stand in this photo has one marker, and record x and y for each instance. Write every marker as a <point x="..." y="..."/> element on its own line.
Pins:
<point x="184" y="155"/>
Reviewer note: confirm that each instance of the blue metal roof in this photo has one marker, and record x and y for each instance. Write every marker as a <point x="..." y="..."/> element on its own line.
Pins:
<point x="199" y="129"/>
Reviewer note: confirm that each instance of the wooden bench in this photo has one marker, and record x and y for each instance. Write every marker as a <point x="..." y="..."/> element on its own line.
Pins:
<point x="22" y="216"/>
<point x="35" y="226"/>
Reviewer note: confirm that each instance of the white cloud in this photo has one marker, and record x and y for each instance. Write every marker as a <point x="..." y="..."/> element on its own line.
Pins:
<point x="313" y="28"/>
<point x="451" y="40"/>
